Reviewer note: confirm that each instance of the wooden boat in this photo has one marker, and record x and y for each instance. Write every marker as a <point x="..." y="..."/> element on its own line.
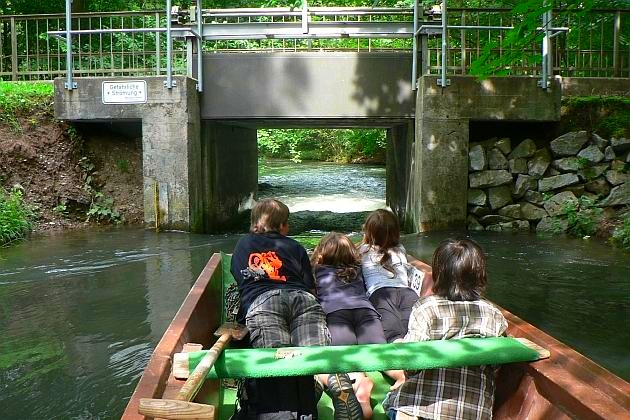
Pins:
<point x="567" y="385"/>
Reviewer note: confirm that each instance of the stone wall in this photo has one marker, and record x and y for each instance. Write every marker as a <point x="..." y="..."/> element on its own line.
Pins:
<point x="526" y="187"/>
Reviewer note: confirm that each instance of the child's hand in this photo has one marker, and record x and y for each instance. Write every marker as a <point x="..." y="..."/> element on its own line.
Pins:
<point x="398" y="383"/>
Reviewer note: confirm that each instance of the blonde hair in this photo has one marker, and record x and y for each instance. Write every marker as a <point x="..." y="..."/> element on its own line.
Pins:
<point x="337" y="250"/>
<point x="268" y="215"/>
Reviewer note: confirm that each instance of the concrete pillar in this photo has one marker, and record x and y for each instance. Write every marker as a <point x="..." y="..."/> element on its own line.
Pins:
<point x="171" y="163"/>
<point x="437" y="195"/>
<point x="400" y="145"/>
<point x="230" y="174"/>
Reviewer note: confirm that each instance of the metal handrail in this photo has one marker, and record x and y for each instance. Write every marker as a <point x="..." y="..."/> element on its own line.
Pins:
<point x="99" y="49"/>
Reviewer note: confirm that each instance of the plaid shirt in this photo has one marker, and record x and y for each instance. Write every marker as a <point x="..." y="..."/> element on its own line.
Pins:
<point x="449" y="393"/>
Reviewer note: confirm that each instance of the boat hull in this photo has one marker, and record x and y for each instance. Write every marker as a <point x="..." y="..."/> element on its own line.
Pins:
<point x="567" y="385"/>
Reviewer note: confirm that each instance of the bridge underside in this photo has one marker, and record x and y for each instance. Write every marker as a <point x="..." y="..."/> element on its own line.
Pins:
<point x="200" y="155"/>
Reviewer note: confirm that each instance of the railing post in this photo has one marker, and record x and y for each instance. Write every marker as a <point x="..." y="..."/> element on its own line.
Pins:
<point x="414" y="54"/>
<point x="443" y="81"/>
<point x="546" y="21"/>
<point x="70" y="84"/>
<point x="199" y="47"/>
<point x="169" y="47"/>
<point x="616" y="60"/>
<point x="304" y="17"/>
<point x="14" y="54"/>
<point x="158" y="48"/>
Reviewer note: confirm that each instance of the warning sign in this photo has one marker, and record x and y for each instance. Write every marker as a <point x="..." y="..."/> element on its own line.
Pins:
<point x="125" y="92"/>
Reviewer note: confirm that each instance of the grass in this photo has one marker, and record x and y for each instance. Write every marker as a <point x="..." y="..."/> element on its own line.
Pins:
<point x="22" y="98"/>
<point x="15" y="216"/>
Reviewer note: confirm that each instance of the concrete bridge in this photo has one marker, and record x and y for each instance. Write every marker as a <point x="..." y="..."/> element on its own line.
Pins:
<point x="200" y="152"/>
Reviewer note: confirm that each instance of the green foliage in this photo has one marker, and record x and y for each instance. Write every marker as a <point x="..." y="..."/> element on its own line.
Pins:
<point x="582" y="216"/>
<point x="621" y="235"/>
<point x="15" y="216"/>
<point x="344" y="145"/>
<point x="515" y="44"/>
<point x="101" y="210"/>
<point x="608" y="116"/>
<point x="22" y="98"/>
<point x="101" y="207"/>
<point x="122" y="165"/>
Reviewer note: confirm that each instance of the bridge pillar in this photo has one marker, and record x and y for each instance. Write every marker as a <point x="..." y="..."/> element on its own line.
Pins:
<point x="230" y="174"/>
<point x="438" y="181"/>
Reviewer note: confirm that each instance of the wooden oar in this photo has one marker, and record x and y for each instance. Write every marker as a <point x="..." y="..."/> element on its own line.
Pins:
<point x="181" y="407"/>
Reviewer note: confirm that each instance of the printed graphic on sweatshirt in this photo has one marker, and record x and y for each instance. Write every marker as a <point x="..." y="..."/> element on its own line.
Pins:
<point x="265" y="262"/>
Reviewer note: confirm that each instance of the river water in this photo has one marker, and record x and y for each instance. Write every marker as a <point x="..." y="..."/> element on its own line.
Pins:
<point x="80" y="312"/>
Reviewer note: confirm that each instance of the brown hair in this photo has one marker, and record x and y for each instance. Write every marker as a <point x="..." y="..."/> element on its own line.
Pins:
<point x="459" y="270"/>
<point x="268" y="215"/>
<point x="337" y="250"/>
<point x="381" y="229"/>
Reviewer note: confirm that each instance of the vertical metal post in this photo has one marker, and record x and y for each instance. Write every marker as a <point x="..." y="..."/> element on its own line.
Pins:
<point x="304" y="17"/>
<point x="546" y="21"/>
<point x="169" y="47"/>
<point x="616" y="58"/>
<point x="199" y="48"/>
<point x="69" y="83"/>
<point x="158" y="62"/>
<point x="414" y="55"/>
<point x="14" y="51"/>
<point x="462" y="40"/>
<point x="443" y="82"/>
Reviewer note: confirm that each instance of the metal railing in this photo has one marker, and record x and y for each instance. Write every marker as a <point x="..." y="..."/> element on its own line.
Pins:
<point x="33" y="47"/>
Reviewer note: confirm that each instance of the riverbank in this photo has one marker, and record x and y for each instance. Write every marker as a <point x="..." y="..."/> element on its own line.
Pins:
<point x="75" y="176"/>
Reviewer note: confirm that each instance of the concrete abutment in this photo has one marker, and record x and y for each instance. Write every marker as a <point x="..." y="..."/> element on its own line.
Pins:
<point x="200" y="171"/>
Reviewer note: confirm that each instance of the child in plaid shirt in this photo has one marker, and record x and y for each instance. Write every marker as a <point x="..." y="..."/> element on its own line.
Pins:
<point x="455" y="310"/>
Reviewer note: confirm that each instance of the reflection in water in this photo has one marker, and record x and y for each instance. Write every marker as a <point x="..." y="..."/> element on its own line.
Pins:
<point x="81" y="313"/>
<point x="316" y="186"/>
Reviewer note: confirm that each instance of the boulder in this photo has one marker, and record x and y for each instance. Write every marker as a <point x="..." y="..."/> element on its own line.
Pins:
<point x="479" y="211"/>
<point x="504" y="145"/>
<point x="552" y="224"/>
<point x="609" y="154"/>
<point x="532" y="212"/>
<point x="620" y="145"/>
<point x="518" y="165"/>
<point x="619" y="196"/>
<point x="485" y="179"/>
<point x="558" y="181"/>
<point x="569" y="144"/>
<point x="555" y="204"/>
<point x="593" y="172"/>
<point x="499" y="196"/>
<point x="473" y="224"/>
<point x="522" y="184"/>
<point x="598" y="186"/>
<point x="567" y="164"/>
<point x="592" y="154"/>
<point x="598" y="141"/>
<point x="513" y="211"/>
<point x="477" y="158"/>
<point x="476" y="197"/>
<point x="616" y="177"/>
<point x="515" y="225"/>
<point x="493" y="219"/>
<point x="496" y="159"/>
<point x="525" y="149"/>
<point x="539" y="163"/>
<point x="534" y="197"/>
